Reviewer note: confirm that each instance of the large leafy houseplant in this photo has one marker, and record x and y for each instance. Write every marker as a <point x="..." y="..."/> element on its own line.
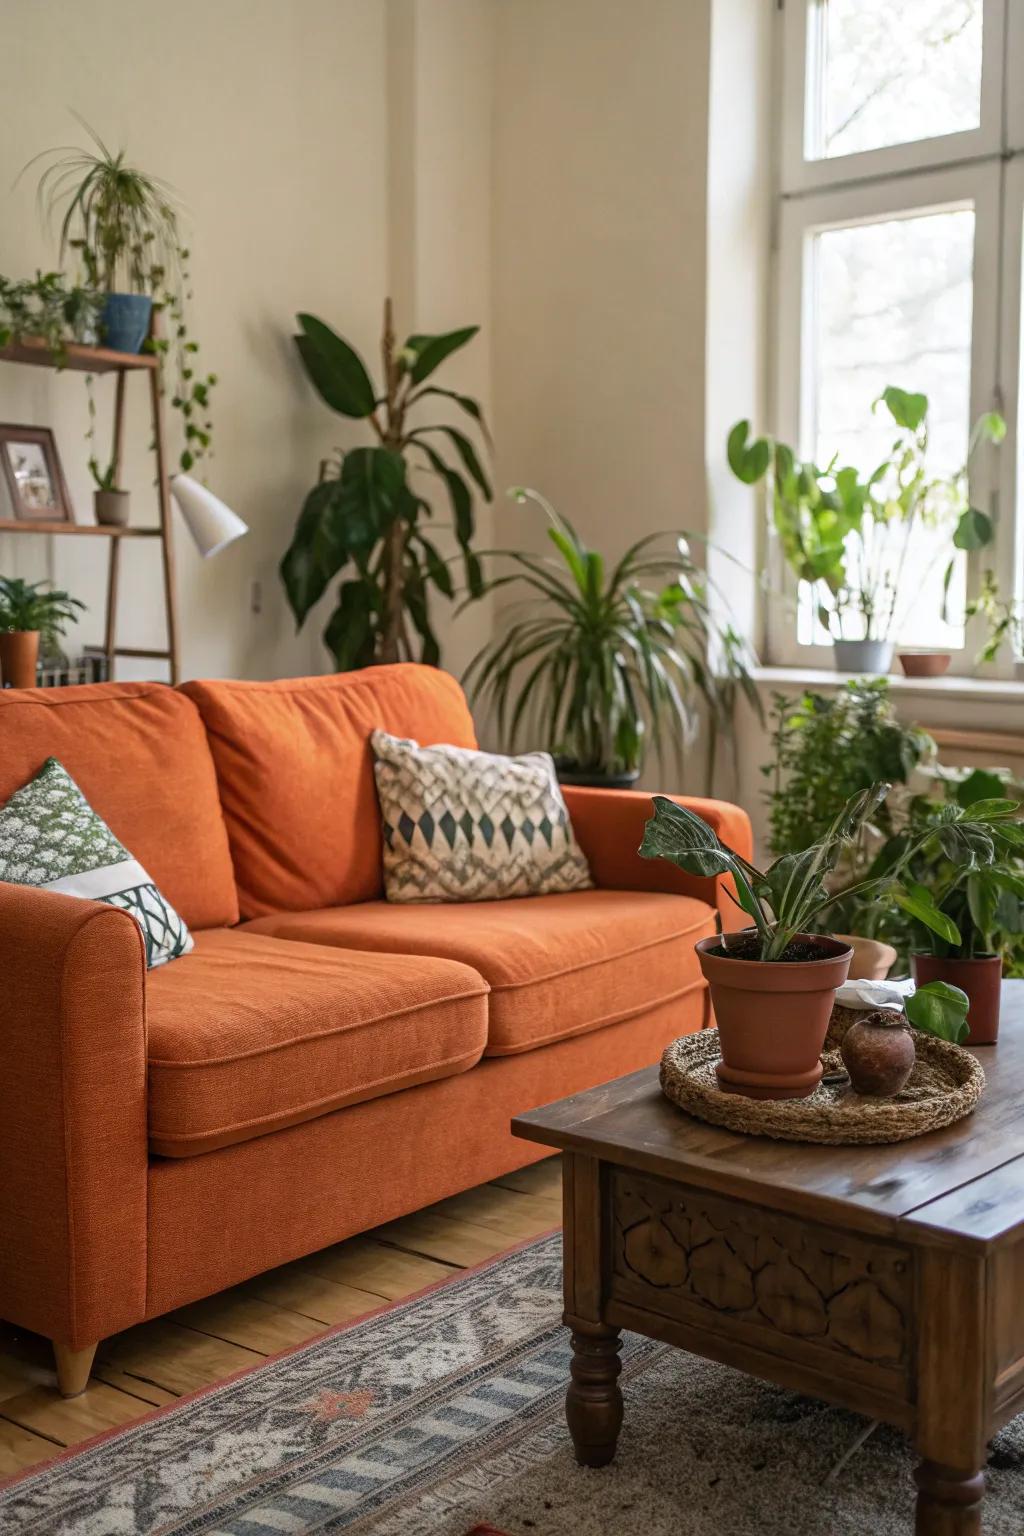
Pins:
<point x="848" y="534"/>
<point x="599" y="659"/>
<point x="365" y="519"/>
<point x="122" y="224"/>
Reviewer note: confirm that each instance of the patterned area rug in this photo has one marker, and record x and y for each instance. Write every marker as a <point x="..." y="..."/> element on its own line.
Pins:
<point x="444" y="1413"/>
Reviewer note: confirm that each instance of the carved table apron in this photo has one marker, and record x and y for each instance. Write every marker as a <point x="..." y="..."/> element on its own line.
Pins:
<point x="889" y="1280"/>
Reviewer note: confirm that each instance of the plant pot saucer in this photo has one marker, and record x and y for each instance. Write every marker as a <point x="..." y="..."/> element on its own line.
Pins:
<point x="758" y="1085"/>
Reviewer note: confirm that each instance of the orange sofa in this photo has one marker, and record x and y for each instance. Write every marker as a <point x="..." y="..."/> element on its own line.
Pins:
<point x="323" y="1061"/>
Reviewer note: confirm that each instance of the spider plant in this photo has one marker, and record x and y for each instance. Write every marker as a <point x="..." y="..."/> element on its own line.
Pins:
<point x="123" y="225"/>
<point x="596" y="662"/>
<point x="122" y="222"/>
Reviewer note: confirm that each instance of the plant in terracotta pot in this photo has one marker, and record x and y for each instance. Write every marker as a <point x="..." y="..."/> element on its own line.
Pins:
<point x="977" y="886"/>
<point x="773" y="985"/>
<point x="33" y="618"/>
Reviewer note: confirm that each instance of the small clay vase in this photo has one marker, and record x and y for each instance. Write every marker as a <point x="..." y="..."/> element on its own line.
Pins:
<point x="878" y="1052"/>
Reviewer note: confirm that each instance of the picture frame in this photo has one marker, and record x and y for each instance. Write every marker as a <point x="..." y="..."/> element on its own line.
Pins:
<point x="33" y="475"/>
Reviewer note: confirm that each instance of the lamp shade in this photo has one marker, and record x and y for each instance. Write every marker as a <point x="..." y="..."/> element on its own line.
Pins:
<point x="212" y="525"/>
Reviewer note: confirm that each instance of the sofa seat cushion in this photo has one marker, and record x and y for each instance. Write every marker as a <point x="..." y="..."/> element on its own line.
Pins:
<point x="248" y="1034"/>
<point x="557" y="965"/>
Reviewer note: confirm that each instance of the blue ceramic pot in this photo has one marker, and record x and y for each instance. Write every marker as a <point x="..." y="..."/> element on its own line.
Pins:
<point x="124" y="323"/>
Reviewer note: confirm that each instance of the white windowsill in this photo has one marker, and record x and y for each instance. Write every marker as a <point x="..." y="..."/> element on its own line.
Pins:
<point x="981" y="690"/>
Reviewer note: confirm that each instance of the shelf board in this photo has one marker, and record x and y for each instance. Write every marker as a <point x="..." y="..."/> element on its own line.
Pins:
<point x="94" y="530"/>
<point x="77" y="358"/>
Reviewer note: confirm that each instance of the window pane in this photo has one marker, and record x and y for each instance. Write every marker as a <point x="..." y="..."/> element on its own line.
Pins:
<point x="893" y="305"/>
<point x="892" y="71"/>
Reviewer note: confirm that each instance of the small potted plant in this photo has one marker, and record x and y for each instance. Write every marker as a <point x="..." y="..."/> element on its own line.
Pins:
<point x="848" y="535"/>
<point x="33" y="618"/>
<point x="599" y="660"/>
<point x="111" y="504"/>
<point x="773" y="985"/>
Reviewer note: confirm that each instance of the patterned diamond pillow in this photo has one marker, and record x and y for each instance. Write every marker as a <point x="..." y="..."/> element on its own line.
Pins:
<point x="473" y="826"/>
<point x="50" y="836"/>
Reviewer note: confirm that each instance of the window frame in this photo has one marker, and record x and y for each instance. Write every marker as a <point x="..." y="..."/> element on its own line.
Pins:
<point x="802" y="30"/>
<point x="978" y="167"/>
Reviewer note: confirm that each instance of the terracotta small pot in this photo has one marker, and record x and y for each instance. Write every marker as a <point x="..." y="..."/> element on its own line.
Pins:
<point x="772" y="1016"/>
<point x="878" y="1052"/>
<point x="19" y="657"/>
<point x="112" y="508"/>
<point x="925" y="663"/>
<point x="981" y="979"/>
<point x="872" y="960"/>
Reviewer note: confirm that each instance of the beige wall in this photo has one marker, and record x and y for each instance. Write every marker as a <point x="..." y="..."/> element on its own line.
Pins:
<point x="539" y="166"/>
<point x="599" y="261"/>
<point x="316" y="165"/>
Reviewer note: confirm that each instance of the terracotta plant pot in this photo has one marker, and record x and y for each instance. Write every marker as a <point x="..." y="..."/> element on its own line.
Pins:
<point x="981" y="979"/>
<point x="19" y="657"/>
<point x="112" y="508"/>
<point x="872" y="960"/>
<point x="925" y="663"/>
<point x="878" y="1052"/>
<point x="772" y="1016"/>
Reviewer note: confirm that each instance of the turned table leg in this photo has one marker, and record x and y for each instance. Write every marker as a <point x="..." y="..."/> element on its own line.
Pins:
<point x="74" y="1367"/>
<point x="948" y="1501"/>
<point x="593" y="1403"/>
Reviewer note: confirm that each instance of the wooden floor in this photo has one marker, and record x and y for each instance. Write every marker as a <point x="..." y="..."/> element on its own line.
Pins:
<point x="156" y="1362"/>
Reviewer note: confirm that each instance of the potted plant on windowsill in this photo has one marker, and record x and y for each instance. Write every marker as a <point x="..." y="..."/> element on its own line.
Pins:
<point x="33" y="618"/>
<point x="773" y="985"/>
<point x="597" y="661"/>
<point x="849" y="537"/>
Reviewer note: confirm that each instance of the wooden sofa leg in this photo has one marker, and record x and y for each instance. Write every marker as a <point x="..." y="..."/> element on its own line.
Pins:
<point x="73" y="1367"/>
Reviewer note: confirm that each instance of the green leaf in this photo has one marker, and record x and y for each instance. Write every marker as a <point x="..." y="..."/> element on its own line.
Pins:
<point x="467" y="453"/>
<point x="351" y="630"/>
<point x="464" y="402"/>
<point x="341" y="520"/>
<point x="939" y="1009"/>
<point x="747" y="462"/>
<point x="337" y="372"/>
<point x="981" y="784"/>
<point x="318" y="549"/>
<point x="917" y="902"/>
<point x="429" y="352"/>
<point x="974" y="530"/>
<point x="906" y="410"/>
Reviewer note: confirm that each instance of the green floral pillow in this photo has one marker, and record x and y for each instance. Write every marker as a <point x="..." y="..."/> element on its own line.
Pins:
<point x="51" y="837"/>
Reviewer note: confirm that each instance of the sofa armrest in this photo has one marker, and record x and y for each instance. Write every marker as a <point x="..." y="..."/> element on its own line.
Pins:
<point x="609" y="824"/>
<point x="73" y="1158"/>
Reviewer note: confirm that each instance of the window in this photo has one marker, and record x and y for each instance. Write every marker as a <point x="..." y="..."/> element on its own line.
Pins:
<point x="899" y="263"/>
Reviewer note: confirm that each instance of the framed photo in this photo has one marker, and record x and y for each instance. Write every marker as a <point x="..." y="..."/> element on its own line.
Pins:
<point x="33" y="476"/>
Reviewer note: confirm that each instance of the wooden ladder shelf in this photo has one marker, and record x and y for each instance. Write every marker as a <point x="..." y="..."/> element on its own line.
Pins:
<point x="82" y="359"/>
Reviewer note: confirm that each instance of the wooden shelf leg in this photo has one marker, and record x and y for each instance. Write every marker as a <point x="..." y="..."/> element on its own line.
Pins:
<point x="166" y="532"/>
<point x="74" y="1367"/>
<point x="110" y="638"/>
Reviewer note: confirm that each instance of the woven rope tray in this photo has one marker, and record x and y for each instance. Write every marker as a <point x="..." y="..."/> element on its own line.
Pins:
<point x="944" y="1086"/>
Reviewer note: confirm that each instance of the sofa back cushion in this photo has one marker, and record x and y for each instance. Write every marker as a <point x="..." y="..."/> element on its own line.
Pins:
<point x="295" y="771"/>
<point x="139" y="754"/>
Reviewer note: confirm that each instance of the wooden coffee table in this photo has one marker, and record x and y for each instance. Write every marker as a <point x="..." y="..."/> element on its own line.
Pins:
<point x="889" y="1280"/>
